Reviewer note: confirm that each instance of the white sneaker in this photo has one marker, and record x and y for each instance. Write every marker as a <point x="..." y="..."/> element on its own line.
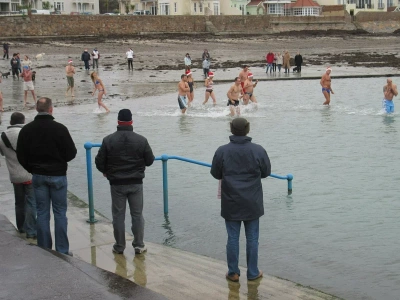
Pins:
<point x="140" y="250"/>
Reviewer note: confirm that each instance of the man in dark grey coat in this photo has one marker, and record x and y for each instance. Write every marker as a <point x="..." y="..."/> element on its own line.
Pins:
<point x="240" y="165"/>
<point x="123" y="158"/>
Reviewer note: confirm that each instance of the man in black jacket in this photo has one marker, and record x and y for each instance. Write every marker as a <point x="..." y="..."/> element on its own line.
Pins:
<point x="298" y="60"/>
<point x="44" y="149"/>
<point x="240" y="165"/>
<point x="86" y="58"/>
<point x="123" y="158"/>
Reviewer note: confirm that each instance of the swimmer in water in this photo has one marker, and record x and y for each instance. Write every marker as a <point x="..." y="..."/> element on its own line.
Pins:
<point x="208" y="83"/>
<point x="234" y="94"/>
<point x="98" y="85"/>
<point x="389" y="91"/>
<point x="326" y="86"/>
<point x="249" y="86"/>
<point x="183" y="90"/>
<point x="190" y="82"/>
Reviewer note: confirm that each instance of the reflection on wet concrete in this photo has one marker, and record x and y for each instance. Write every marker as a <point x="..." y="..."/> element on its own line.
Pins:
<point x="169" y="240"/>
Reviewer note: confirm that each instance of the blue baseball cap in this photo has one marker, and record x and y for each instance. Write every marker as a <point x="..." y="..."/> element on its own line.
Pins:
<point x="26" y="67"/>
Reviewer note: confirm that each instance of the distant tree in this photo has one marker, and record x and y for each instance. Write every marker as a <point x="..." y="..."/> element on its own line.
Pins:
<point x="108" y="5"/>
<point x="46" y="5"/>
<point x="132" y="7"/>
<point x="127" y="7"/>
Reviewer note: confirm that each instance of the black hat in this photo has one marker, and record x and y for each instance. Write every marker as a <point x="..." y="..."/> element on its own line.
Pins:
<point x="124" y="115"/>
<point x="240" y="126"/>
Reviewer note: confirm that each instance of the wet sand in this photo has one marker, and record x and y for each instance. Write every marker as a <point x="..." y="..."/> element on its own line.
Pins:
<point x="158" y="62"/>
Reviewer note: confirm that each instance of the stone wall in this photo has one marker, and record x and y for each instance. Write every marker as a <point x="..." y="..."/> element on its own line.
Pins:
<point x="378" y="22"/>
<point x="117" y="26"/>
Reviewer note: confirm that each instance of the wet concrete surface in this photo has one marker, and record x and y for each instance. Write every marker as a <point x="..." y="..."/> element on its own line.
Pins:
<point x="29" y="272"/>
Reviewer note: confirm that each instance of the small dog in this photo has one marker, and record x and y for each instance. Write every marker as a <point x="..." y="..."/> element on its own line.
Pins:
<point x="5" y="75"/>
<point x="295" y="69"/>
<point x="33" y="75"/>
<point x="40" y="56"/>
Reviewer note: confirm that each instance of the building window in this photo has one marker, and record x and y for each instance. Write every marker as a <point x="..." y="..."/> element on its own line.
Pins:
<point x="200" y="7"/>
<point x="216" y="9"/>
<point x="390" y="3"/>
<point x="164" y="9"/>
<point x="175" y="7"/>
<point x="272" y="8"/>
<point x="195" y="7"/>
<point x="59" y="6"/>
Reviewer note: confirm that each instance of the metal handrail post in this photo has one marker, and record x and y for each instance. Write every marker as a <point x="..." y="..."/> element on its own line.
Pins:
<point x="88" y="147"/>
<point x="164" y="159"/>
<point x="289" y="183"/>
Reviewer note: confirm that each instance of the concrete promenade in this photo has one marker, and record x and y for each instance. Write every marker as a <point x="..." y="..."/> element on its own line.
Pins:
<point x="173" y="273"/>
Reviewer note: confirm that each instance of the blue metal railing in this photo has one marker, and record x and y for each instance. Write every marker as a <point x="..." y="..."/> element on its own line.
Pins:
<point x="164" y="158"/>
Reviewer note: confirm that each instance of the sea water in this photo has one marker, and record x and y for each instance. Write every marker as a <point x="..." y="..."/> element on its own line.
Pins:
<point x="338" y="231"/>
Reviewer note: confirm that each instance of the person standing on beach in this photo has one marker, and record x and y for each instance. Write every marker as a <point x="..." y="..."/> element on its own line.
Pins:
<point x="95" y="56"/>
<point x="123" y="158"/>
<point x="206" y="67"/>
<point x="326" y="86"/>
<point x="279" y="61"/>
<point x="205" y="55"/>
<point x="28" y="84"/>
<point x="25" y="203"/>
<point x="44" y="149"/>
<point x="298" y="60"/>
<point x="26" y="62"/>
<point x="70" y="72"/>
<point x="6" y="48"/>
<point x="99" y="86"/>
<point x="15" y="66"/>
<point x="234" y="94"/>
<point x="188" y="62"/>
<point x="183" y="90"/>
<point x="286" y="61"/>
<point x="240" y="166"/>
<point x="208" y="83"/>
<point x="389" y="91"/>
<point x="85" y="57"/>
<point x="129" y="56"/>
<point x="270" y="60"/>
<point x="249" y="86"/>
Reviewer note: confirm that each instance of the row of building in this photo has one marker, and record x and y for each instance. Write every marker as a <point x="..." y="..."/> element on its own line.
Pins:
<point x="207" y="7"/>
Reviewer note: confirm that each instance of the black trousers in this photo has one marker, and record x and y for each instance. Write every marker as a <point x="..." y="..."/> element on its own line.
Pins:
<point x="298" y="68"/>
<point x="130" y="63"/>
<point x="5" y="54"/>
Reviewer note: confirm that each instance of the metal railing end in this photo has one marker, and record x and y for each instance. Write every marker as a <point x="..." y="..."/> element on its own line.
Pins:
<point x="164" y="157"/>
<point x="88" y="145"/>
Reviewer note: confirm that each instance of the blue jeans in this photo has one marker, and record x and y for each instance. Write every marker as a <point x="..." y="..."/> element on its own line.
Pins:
<point x="25" y="208"/>
<point x="87" y="67"/>
<point x="270" y="67"/>
<point x="51" y="189"/>
<point x="232" y="247"/>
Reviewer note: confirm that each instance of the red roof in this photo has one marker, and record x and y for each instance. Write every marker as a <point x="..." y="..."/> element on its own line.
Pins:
<point x="303" y="3"/>
<point x="254" y="2"/>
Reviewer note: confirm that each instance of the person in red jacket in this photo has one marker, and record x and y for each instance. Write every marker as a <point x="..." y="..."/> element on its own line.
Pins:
<point x="270" y="61"/>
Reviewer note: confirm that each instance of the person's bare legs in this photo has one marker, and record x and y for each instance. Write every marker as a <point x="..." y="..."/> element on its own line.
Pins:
<point x="246" y="99"/>
<point x="253" y="99"/>
<point x="1" y="102"/>
<point x="68" y="88"/>
<point x="25" y="97"/>
<point x="183" y="110"/>
<point x="327" y="98"/>
<point x="213" y="98"/>
<point x="207" y="97"/>
<point x="238" y="110"/>
<point x="232" y="109"/>
<point x="100" y="102"/>
<point x="33" y="95"/>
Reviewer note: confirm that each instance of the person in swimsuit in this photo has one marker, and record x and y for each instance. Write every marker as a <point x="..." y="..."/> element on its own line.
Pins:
<point x="98" y="85"/>
<point x="326" y="86"/>
<point x="389" y="91"/>
<point x="249" y="86"/>
<point x="28" y="84"/>
<point x="243" y="75"/>
<point x="234" y="94"/>
<point x="208" y="83"/>
<point x="183" y="90"/>
<point x="70" y="71"/>
<point x="190" y="82"/>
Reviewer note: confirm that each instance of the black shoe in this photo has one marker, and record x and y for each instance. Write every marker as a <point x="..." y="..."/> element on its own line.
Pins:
<point x="31" y="236"/>
<point x="117" y="252"/>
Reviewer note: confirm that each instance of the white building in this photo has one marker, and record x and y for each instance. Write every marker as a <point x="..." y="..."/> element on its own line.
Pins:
<point x="64" y="7"/>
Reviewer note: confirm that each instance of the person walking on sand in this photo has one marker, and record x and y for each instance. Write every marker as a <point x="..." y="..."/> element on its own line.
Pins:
<point x="99" y="86"/>
<point x="15" y="64"/>
<point x="286" y="61"/>
<point x="240" y="166"/>
<point x="249" y="86"/>
<point x="125" y="172"/>
<point x="129" y="56"/>
<point x="234" y="94"/>
<point x="85" y="57"/>
<point x="25" y="203"/>
<point x="183" y="90"/>
<point x="96" y="57"/>
<point x="26" y="62"/>
<point x="190" y="82"/>
<point x="28" y="84"/>
<point x="6" y="48"/>
<point x="70" y="71"/>
<point x="208" y="83"/>
<point x="389" y="91"/>
<point x="44" y="149"/>
<point x="188" y="62"/>
<point x="326" y="86"/>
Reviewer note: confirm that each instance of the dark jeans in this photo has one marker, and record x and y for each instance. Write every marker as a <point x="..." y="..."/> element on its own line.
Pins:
<point x="87" y="67"/>
<point x="5" y="54"/>
<point x="130" y="63"/>
<point x="51" y="191"/>
<point x="134" y="194"/>
<point x="25" y="208"/>
<point x="232" y="247"/>
<point x="95" y="62"/>
<point x="274" y="67"/>
<point x="298" y="68"/>
<point x="205" y="71"/>
<point x="15" y="72"/>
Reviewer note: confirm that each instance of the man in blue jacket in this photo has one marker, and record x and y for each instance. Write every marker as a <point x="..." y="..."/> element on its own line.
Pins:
<point x="240" y="165"/>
